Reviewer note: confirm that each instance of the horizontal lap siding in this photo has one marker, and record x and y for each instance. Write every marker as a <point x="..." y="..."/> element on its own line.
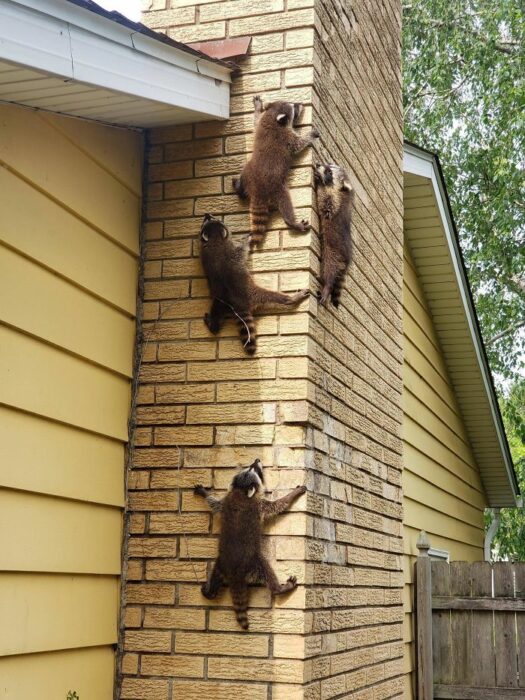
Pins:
<point x="68" y="275"/>
<point x="441" y="482"/>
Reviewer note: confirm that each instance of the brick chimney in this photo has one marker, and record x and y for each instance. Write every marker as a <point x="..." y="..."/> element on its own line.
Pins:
<point x="319" y="404"/>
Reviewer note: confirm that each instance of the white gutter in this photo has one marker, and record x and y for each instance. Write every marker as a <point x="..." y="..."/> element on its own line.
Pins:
<point x="75" y="44"/>
<point x="419" y="162"/>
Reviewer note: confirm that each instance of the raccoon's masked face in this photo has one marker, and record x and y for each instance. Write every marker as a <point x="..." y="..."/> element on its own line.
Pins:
<point x="212" y="230"/>
<point x="330" y="175"/>
<point x="285" y="113"/>
<point x="250" y="479"/>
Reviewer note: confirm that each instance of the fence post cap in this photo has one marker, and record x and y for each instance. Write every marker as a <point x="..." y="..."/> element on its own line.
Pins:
<point x="423" y="544"/>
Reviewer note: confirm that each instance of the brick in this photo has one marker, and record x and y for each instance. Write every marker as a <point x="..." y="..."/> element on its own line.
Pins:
<point x="190" y="690"/>
<point x="147" y="641"/>
<point x="173" y="523"/>
<point x="185" y="393"/>
<point x="130" y="663"/>
<point x="229" y="644"/>
<point x="239" y="8"/>
<point x="184" y="666"/>
<point x="175" y="618"/>
<point x="150" y="593"/>
<point x="201" y="32"/>
<point x="152" y="547"/>
<point x="284" y="670"/>
<point x="231" y="413"/>
<point x="285" y="621"/>
<point x="193" y="149"/>
<point x="244" y="369"/>
<point x="269" y="23"/>
<point x="142" y="689"/>
<point x="154" y="500"/>
<point x="180" y="478"/>
<point x="174" y="570"/>
<point x="166" y="18"/>
<point x="156" y="415"/>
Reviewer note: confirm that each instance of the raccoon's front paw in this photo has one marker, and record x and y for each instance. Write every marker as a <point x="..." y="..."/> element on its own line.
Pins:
<point x="199" y="490"/>
<point x="258" y="103"/>
<point x="300" y="489"/>
<point x="303" y="293"/>
<point x="314" y="134"/>
<point x="304" y="226"/>
<point x="293" y="581"/>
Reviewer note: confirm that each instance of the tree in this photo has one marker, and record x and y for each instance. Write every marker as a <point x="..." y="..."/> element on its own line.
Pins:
<point x="464" y="97"/>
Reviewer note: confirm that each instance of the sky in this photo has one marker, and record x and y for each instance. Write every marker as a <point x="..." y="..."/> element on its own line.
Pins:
<point x="130" y="8"/>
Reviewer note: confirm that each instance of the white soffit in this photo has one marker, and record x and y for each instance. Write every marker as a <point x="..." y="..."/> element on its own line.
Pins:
<point x="57" y="56"/>
<point x="431" y="236"/>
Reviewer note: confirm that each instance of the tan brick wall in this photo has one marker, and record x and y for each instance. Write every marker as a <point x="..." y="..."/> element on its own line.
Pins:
<point x="320" y="403"/>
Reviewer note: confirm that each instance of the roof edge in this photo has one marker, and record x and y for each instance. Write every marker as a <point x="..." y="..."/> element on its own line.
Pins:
<point x="435" y="173"/>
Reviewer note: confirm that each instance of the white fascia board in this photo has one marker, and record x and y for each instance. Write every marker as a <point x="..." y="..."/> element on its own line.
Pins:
<point x="75" y="44"/>
<point x="418" y="162"/>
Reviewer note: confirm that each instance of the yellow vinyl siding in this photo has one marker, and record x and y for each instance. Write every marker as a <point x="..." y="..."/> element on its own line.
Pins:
<point x="443" y="493"/>
<point x="69" y="236"/>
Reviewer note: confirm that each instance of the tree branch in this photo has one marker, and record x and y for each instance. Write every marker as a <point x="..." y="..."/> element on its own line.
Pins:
<point x="507" y="331"/>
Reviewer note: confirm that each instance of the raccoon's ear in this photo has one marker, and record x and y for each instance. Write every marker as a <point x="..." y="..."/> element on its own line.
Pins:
<point x="250" y="492"/>
<point x="346" y="186"/>
<point x="281" y="118"/>
<point x="224" y="232"/>
<point x="204" y="236"/>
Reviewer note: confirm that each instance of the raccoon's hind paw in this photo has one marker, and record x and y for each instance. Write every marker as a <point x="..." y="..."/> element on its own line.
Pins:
<point x="206" y="593"/>
<point x="293" y="581"/>
<point x="212" y="325"/>
<point x="322" y="297"/>
<point x="239" y="187"/>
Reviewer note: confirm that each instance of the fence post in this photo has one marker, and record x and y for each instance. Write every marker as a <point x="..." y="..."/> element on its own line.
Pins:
<point x="425" y="681"/>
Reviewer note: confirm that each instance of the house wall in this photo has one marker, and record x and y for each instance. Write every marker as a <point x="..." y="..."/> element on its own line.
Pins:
<point x="320" y="403"/>
<point x="443" y="493"/>
<point x="69" y="225"/>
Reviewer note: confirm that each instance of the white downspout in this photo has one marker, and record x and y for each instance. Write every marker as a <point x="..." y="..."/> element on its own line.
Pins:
<point x="489" y="535"/>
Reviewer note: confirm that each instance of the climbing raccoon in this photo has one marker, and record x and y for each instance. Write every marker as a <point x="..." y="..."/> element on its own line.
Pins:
<point x="241" y="560"/>
<point x="335" y="201"/>
<point x="231" y="284"/>
<point x="263" y="179"/>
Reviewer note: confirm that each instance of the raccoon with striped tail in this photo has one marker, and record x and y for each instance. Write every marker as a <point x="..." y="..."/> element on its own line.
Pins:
<point x="263" y="179"/>
<point x="231" y="284"/>
<point x="241" y="560"/>
<point x="335" y="201"/>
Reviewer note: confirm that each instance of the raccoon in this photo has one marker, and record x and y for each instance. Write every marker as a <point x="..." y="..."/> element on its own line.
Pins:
<point x="231" y="284"/>
<point x="335" y="201"/>
<point x="263" y="179"/>
<point x="241" y="560"/>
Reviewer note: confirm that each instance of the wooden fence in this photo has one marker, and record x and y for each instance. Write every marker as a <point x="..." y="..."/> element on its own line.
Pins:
<point x="470" y="628"/>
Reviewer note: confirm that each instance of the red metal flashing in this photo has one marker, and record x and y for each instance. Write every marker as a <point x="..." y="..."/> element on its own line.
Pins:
<point x="224" y="48"/>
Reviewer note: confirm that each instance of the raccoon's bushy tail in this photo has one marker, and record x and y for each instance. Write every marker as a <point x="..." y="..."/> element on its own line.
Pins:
<point x="259" y="215"/>
<point x="247" y="331"/>
<point x="240" y="604"/>
<point x="335" y="294"/>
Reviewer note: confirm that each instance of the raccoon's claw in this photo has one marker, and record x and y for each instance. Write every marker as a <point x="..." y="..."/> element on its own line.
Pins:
<point x="199" y="490"/>
<point x="303" y="293"/>
<point x="293" y="581"/>
<point x="315" y="134"/>
<point x="322" y="298"/>
<point x="258" y="103"/>
<point x="300" y="489"/>
<point x="304" y="226"/>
